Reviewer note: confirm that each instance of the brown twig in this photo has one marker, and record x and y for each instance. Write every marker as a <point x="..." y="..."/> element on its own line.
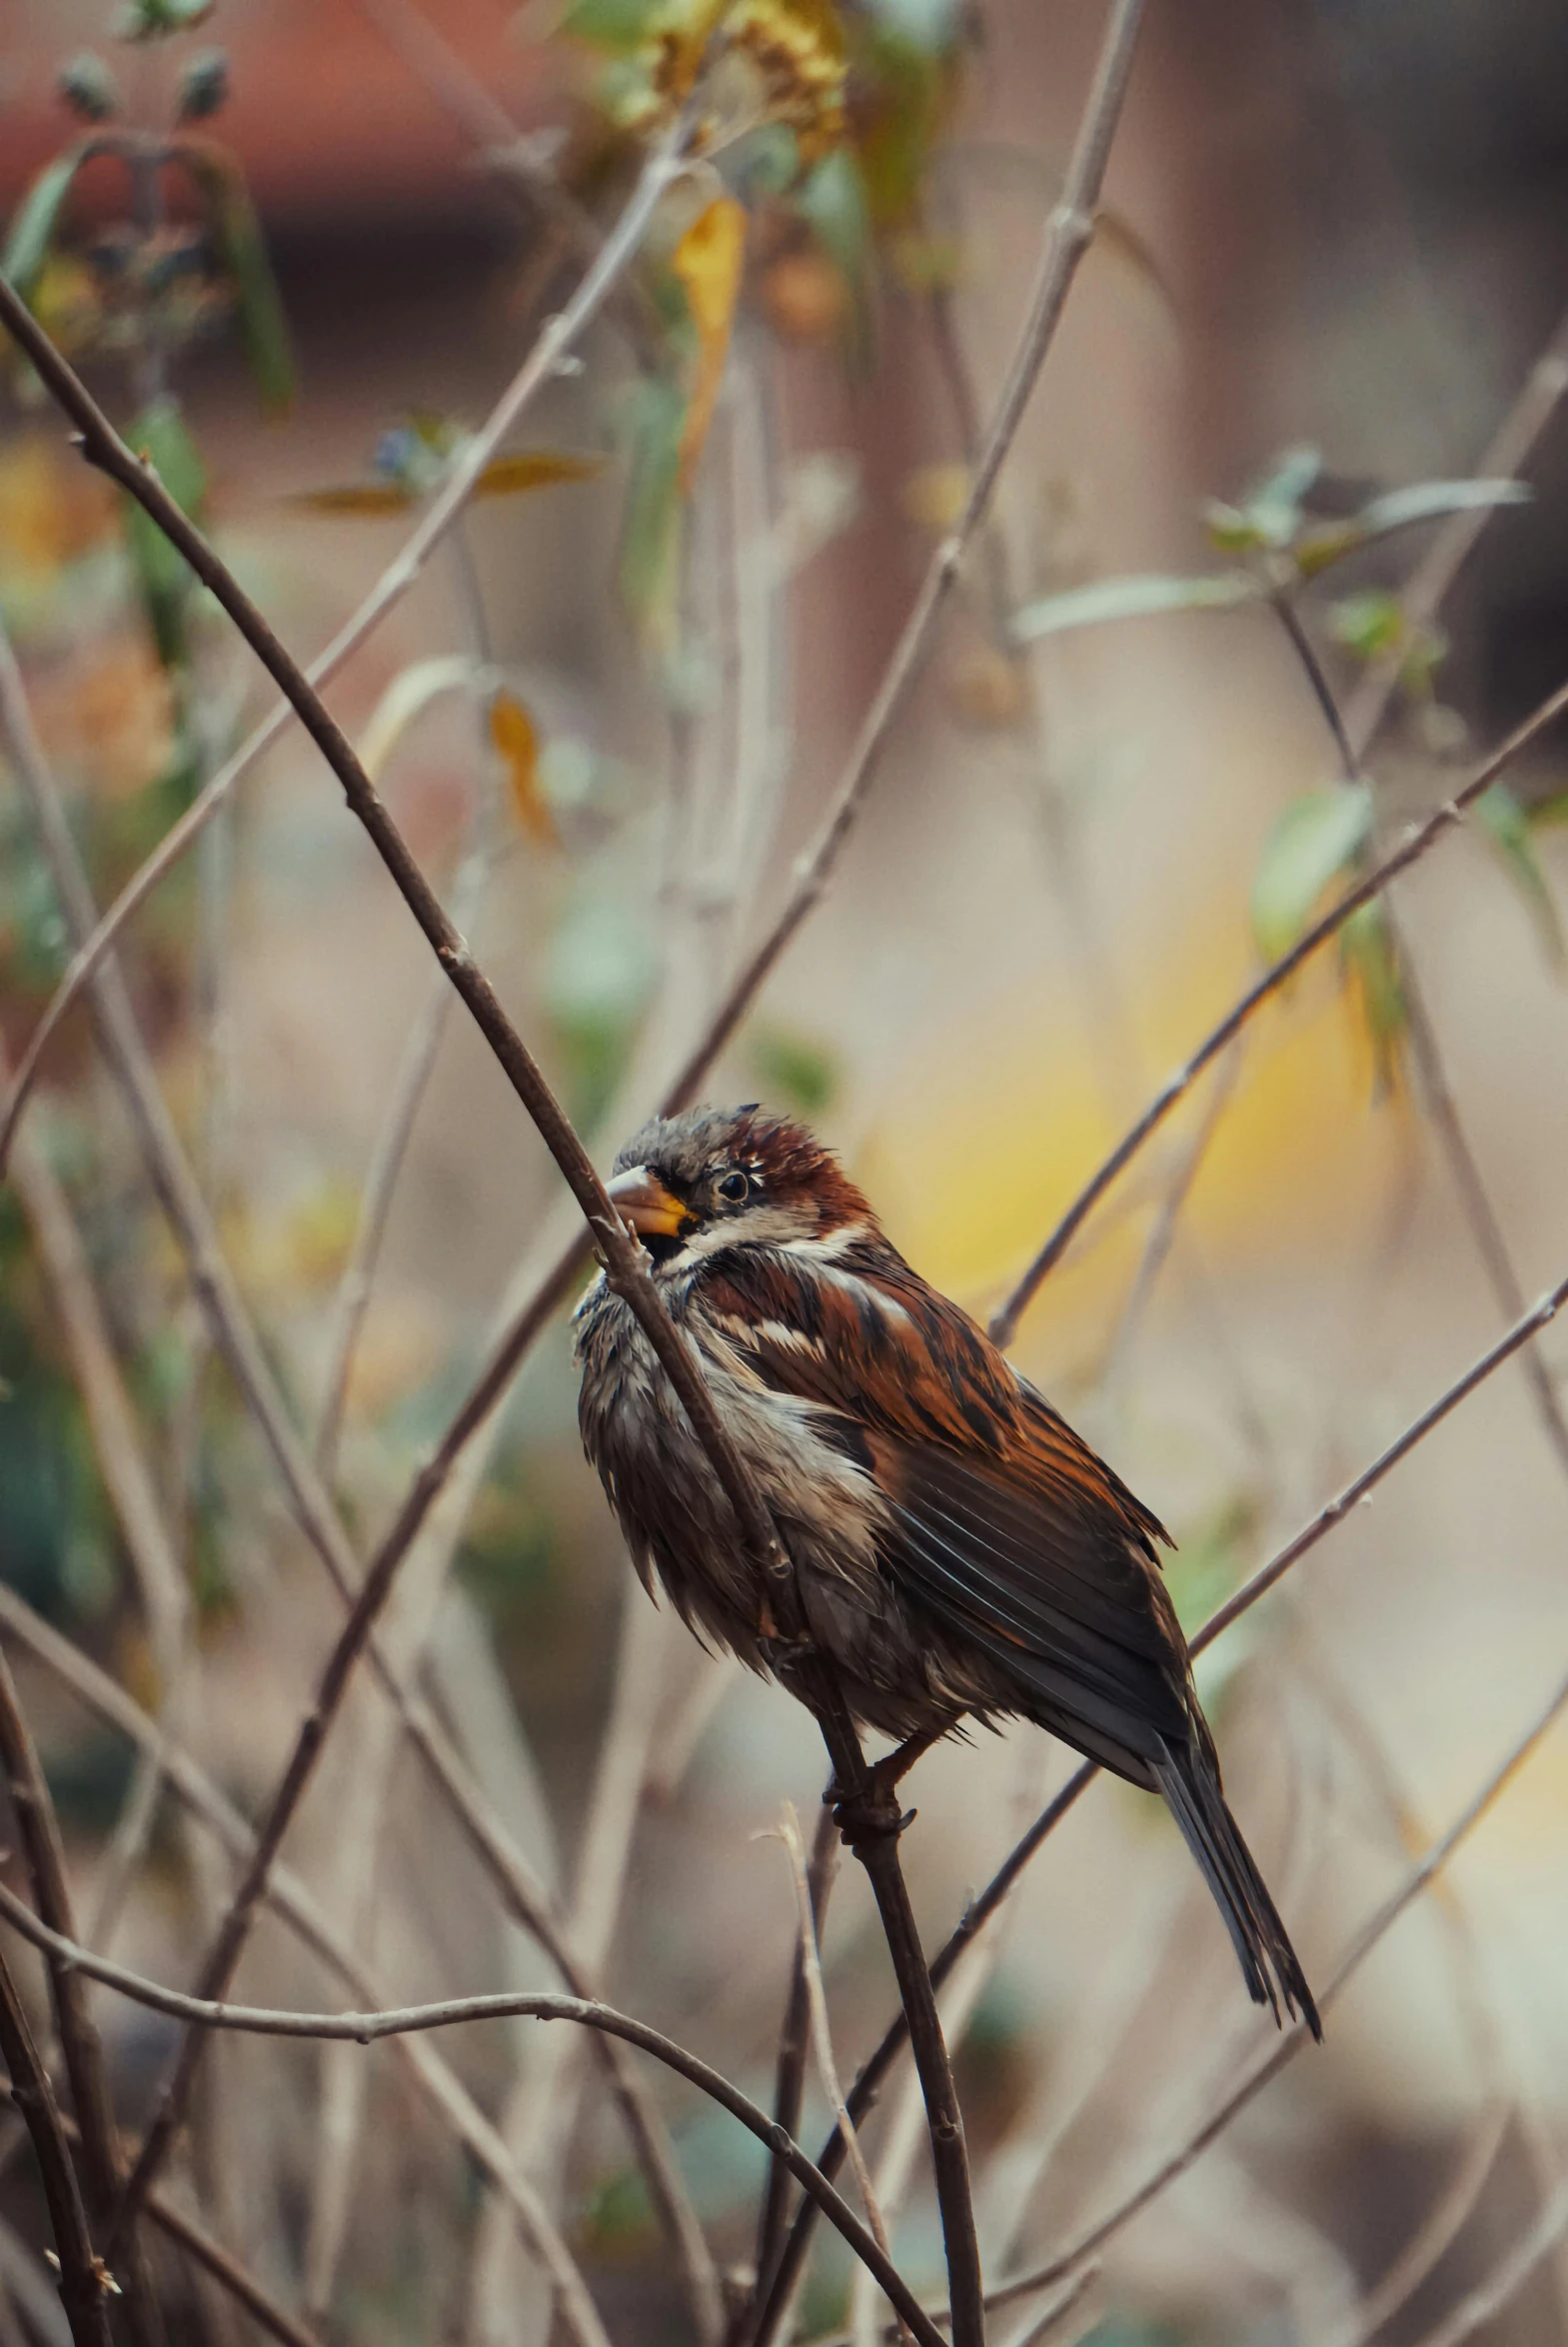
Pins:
<point x="553" y="345"/>
<point x="81" y="2275"/>
<point x="1371" y="1934"/>
<point x="821" y="2028"/>
<point x="1428" y="589"/>
<point x="80" y="2045"/>
<point x="1069" y="235"/>
<point x="793" y="2051"/>
<point x="368" y="2027"/>
<point x="287" y="1897"/>
<point x="1421" y="837"/>
<point x="216" y="1289"/>
<point x="1507" y="2278"/>
<point x="1438" y="1095"/>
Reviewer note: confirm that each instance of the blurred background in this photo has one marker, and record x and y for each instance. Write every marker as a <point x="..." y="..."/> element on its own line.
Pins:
<point x="610" y="714"/>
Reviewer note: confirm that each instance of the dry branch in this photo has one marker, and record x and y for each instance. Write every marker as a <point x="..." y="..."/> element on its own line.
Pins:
<point x="365" y="2028"/>
<point x="1419" y="837"/>
<point x="82" y="2277"/>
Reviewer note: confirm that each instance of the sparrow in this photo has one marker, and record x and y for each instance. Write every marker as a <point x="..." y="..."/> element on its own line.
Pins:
<point x="958" y="1552"/>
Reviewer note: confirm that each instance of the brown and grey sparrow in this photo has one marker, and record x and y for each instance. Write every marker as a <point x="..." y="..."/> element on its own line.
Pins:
<point x="958" y="1552"/>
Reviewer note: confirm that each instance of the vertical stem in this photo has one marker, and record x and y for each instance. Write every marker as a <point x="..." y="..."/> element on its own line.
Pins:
<point x="39" y="1832"/>
<point x="81" y="2288"/>
<point x="790" y="2078"/>
<point x="870" y="1817"/>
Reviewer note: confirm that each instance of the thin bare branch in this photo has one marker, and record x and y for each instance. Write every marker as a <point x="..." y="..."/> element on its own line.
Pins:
<point x="366" y="2027"/>
<point x="39" y="1832"/>
<point x="1440" y="2229"/>
<point x="1367" y="1939"/>
<point x="188" y="1213"/>
<point x="1438" y="1095"/>
<point x="165" y="1595"/>
<point x="553" y="345"/>
<point x="1068" y="234"/>
<point x="794" y="2050"/>
<point x="81" y="2275"/>
<point x="1507" y="2278"/>
<point x="1418" y="839"/>
<point x="821" y="2028"/>
<point x="1426" y="591"/>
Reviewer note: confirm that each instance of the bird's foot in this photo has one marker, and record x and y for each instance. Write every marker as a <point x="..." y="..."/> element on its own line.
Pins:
<point x="871" y="1811"/>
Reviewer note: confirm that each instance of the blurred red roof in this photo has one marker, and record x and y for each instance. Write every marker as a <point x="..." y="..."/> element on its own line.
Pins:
<point x="324" y="112"/>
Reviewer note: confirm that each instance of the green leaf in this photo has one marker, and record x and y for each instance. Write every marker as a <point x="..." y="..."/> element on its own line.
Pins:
<point x="1509" y="827"/>
<point x="263" y="328"/>
<point x="37" y="216"/>
<point x="1132" y="599"/>
<point x="1369" y="625"/>
<point x="833" y="203"/>
<point x="795" y="1070"/>
<point x="154" y="20"/>
<point x="617" y="25"/>
<point x="166" y="580"/>
<point x="1317" y="840"/>
<point x="1428" y="501"/>
<point x="653" y="421"/>
<point x="1370" y="961"/>
<point x="1273" y="505"/>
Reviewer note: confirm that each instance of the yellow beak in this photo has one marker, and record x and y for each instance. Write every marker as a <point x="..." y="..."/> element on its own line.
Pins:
<point x="646" y="1203"/>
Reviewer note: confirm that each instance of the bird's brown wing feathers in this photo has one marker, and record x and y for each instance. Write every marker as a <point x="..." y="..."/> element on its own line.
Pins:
<point x="1004" y="1527"/>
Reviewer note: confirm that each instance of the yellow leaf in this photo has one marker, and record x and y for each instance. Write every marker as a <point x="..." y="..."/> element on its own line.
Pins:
<point x="357" y="497"/>
<point x="708" y="261"/>
<point x="535" y="467"/>
<point x="513" y="732"/>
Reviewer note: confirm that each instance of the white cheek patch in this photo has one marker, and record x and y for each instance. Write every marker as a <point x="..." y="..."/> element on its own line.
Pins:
<point x="829" y="1247"/>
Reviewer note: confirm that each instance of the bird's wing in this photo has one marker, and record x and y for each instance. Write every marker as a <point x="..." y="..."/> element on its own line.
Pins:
<point x="1003" y="1524"/>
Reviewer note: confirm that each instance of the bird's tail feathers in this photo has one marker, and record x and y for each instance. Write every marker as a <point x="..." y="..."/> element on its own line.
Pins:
<point x="1191" y="1784"/>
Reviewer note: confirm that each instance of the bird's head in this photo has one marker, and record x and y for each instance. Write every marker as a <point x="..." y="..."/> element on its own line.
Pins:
<point x="719" y="1178"/>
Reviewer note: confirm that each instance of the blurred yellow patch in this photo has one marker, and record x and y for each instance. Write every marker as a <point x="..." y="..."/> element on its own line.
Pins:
<point x="51" y="512"/>
<point x="516" y="741"/>
<point x="109" y="718"/>
<point x="1301" y="1158"/>
<point x="934" y="496"/>
<point x="292" y="1252"/>
<point x="708" y="260"/>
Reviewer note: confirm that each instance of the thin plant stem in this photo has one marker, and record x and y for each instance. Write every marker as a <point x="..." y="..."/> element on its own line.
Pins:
<point x="286" y="1897"/>
<point x="38" y="1830"/>
<point x="81" y="2275"/>
<point x="1537" y="403"/>
<point x="1372" y="1933"/>
<point x="1423" y="596"/>
<point x="794" y="2052"/>
<point x="1437" y="1096"/>
<point x="552" y="346"/>
<point x="1069" y="232"/>
<point x="1489" y="2298"/>
<point x="1418" y="840"/>
<point x="821" y="2027"/>
<point x="220" y="1301"/>
<point x="368" y="2027"/>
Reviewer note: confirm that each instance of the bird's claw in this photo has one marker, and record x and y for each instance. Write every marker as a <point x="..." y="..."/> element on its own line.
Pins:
<point x="872" y="1812"/>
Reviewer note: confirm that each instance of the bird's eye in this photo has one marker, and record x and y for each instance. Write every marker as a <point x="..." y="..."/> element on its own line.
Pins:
<point x="735" y="1186"/>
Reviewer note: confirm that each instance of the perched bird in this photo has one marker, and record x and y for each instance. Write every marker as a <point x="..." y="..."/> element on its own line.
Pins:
<point x="958" y="1552"/>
